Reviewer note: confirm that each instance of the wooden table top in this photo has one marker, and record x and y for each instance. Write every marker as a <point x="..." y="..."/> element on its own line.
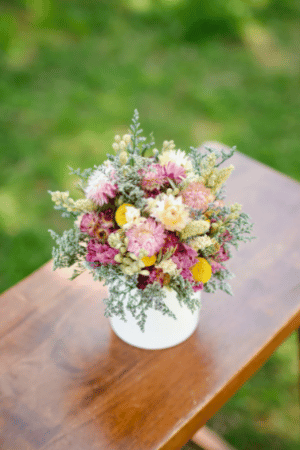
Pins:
<point x="67" y="382"/>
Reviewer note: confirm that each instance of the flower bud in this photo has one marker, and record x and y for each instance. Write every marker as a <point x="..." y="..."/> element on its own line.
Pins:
<point x="115" y="146"/>
<point x="117" y="138"/>
<point x="145" y="272"/>
<point x="127" y="138"/>
<point x="123" y="157"/>
<point x="122" y="145"/>
<point x="118" y="258"/>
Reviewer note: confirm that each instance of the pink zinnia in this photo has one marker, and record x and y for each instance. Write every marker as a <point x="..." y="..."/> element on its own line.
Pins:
<point x="197" y="196"/>
<point x="100" y="188"/>
<point x="100" y="253"/>
<point x="147" y="235"/>
<point x="174" y="172"/>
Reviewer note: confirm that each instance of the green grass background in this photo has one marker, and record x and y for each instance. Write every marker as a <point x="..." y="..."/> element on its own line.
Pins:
<point x="71" y="74"/>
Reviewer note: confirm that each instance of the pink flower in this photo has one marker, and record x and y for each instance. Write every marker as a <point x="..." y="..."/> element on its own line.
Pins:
<point x="197" y="287"/>
<point x="153" y="179"/>
<point x="197" y="196"/>
<point x="226" y="236"/>
<point x="171" y="241"/>
<point x="88" y="223"/>
<point x="187" y="275"/>
<point x="147" y="235"/>
<point x="185" y="257"/>
<point x="174" y="172"/>
<point x="100" y="253"/>
<point x="221" y="255"/>
<point x="100" y="188"/>
<point x="98" y="225"/>
<point x="215" y="266"/>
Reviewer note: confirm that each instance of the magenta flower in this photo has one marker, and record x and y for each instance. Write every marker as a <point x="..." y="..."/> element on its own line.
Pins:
<point x="197" y="287"/>
<point x="185" y="256"/>
<point x="221" y="255"/>
<point x="171" y="241"/>
<point x="147" y="235"/>
<point x="100" y="253"/>
<point x="187" y="275"/>
<point x="98" y="225"/>
<point x="88" y="223"/>
<point x="174" y="172"/>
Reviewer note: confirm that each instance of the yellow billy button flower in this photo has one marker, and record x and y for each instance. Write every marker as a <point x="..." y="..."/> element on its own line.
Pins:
<point x="121" y="214"/>
<point x="149" y="261"/>
<point x="201" y="270"/>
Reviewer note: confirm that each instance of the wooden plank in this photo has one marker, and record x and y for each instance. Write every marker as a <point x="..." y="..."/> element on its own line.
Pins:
<point x="66" y="380"/>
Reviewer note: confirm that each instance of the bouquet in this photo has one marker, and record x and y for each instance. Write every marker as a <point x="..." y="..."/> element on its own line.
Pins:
<point x="148" y="222"/>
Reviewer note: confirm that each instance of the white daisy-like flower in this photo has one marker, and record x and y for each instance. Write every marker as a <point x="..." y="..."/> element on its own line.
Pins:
<point x="171" y="212"/>
<point x="178" y="157"/>
<point x="168" y="266"/>
<point x="133" y="217"/>
<point x="200" y="242"/>
<point x="100" y="188"/>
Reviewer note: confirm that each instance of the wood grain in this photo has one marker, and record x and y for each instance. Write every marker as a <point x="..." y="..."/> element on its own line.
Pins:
<point x="67" y="381"/>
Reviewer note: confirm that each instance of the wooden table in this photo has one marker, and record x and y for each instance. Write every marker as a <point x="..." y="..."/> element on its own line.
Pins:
<point x="67" y="382"/>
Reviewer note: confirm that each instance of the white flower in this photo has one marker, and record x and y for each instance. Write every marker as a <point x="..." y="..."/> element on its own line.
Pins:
<point x="178" y="157"/>
<point x="133" y="217"/>
<point x="99" y="187"/>
<point x="168" y="266"/>
<point x="78" y="220"/>
<point x="173" y="214"/>
<point x="200" y="242"/>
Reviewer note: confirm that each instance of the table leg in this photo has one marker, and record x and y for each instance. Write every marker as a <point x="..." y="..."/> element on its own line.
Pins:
<point x="209" y="440"/>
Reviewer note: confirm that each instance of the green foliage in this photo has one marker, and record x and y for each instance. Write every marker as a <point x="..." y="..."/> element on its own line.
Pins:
<point x="68" y="249"/>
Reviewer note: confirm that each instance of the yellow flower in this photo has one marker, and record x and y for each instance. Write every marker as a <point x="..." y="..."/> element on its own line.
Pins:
<point x="149" y="261"/>
<point x="121" y="214"/>
<point x="201" y="270"/>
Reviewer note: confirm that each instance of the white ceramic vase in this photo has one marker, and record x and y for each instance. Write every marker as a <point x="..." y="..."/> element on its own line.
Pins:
<point x="161" y="331"/>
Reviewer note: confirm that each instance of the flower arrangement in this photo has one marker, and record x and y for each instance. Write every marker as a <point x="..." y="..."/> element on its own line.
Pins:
<point x="149" y="222"/>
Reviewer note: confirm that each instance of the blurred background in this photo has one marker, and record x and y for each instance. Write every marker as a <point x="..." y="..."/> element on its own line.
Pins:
<point x="71" y="74"/>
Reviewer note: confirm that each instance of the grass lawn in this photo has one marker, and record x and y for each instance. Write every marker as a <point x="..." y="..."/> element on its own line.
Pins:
<point x="64" y="97"/>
